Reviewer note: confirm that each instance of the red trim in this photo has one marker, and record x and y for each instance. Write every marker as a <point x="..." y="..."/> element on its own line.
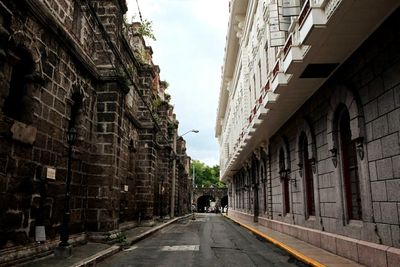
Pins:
<point x="287" y="46"/>
<point x="266" y="87"/>
<point x="304" y="12"/>
<point x="276" y="69"/>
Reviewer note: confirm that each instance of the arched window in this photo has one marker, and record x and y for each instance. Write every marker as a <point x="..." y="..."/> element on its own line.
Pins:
<point x="284" y="182"/>
<point x="18" y="104"/>
<point x="349" y="167"/>
<point x="308" y="182"/>
<point x="264" y="188"/>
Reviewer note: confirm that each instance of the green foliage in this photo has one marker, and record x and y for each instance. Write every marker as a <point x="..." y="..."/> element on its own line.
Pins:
<point x="121" y="238"/>
<point x="164" y="84"/>
<point x="157" y="102"/>
<point x="118" y="237"/>
<point x="146" y="29"/>
<point x="141" y="56"/>
<point x="206" y="176"/>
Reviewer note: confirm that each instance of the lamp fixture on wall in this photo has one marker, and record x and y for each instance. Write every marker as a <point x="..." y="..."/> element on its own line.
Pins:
<point x="284" y="175"/>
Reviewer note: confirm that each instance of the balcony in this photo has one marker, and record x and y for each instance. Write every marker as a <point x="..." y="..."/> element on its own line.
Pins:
<point x="325" y="34"/>
<point x="279" y="81"/>
<point x="312" y="20"/>
<point x="270" y="99"/>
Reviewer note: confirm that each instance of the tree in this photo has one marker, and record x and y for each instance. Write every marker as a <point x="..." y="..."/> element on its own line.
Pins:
<point x="206" y="176"/>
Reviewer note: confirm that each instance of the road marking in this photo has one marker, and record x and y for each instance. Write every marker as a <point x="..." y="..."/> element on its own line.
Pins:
<point x="181" y="248"/>
<point x="131" y="248"/>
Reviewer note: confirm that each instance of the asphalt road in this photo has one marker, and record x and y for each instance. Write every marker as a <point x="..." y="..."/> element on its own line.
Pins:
<point x="210" y="240"/>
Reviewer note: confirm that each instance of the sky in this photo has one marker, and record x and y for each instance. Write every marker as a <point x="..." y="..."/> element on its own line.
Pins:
<point x="189" y="49"/>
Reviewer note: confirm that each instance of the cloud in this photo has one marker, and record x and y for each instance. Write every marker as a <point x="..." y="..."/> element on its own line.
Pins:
<point x="189" y="49"/>
<point x="212" y="12"/>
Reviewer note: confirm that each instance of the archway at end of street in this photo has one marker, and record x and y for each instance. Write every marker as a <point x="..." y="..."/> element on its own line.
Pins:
<point x="204" y="203"/>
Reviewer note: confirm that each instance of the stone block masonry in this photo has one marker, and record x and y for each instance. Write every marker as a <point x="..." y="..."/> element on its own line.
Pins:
<point x="351" y="125"/>
<point x="66" y="64"/>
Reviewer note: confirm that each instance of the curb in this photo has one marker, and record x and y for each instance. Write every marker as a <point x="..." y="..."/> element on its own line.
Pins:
<point x="92" y="260"/>
<point x="298" y="255"/>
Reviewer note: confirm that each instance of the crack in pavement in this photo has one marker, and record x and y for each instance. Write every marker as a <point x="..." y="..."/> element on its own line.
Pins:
<point x="216" y="247"/>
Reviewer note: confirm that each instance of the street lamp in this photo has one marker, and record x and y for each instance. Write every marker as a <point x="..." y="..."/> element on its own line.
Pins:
<point x="64" y="245"/>
<point x="190" y="131"/>
<point x="161" y="195"/>
<point x="193" y="186"/>
<point x="174" y="169"/>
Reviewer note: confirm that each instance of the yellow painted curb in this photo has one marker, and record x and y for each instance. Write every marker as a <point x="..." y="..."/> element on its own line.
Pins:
<point x="298" y="255"/>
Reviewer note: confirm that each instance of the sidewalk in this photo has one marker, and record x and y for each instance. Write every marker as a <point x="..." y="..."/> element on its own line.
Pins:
<point x="91" y="253"/>
<point x="301" y="250"/>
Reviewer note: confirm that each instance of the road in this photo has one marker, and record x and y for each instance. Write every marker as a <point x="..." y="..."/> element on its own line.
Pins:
<point x="210" y="240"/>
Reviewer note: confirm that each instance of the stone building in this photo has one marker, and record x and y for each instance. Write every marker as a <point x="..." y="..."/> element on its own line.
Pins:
<point x="309" y="122"/>
<point x="76" y="64"/>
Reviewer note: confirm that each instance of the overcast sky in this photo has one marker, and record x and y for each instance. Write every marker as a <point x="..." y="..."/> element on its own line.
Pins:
<point x="189" y="50"/>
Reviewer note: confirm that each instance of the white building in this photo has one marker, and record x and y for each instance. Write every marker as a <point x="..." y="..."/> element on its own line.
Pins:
<point x="309" y="118"/>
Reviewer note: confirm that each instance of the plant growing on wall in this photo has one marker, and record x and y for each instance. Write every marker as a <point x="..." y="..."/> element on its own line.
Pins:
<point x="157" y="102"/>
<point x="164" y="84"/>
<point x="124" y="78"/>
<point x="171" y="128"/>
<point x="141" y="56"/>
<point x="146" y="29"/>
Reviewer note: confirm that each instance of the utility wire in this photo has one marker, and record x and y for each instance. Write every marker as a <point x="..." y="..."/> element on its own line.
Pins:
<point x="140" y="14"/>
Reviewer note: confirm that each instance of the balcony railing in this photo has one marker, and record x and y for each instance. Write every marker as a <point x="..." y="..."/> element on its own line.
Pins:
<point x="288" y="44"/>
<point x="304" y="12"/>
<point x="276" y="69"/>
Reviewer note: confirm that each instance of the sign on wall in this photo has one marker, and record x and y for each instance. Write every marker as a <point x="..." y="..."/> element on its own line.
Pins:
<point x="51" y="173"/>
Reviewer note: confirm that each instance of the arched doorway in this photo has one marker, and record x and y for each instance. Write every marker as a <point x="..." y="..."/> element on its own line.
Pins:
<point x="224" y="201"/>
<point x="204" y="202"/>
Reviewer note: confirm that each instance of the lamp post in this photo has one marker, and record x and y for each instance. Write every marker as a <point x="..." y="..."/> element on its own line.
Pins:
<point x="174" y="170"/>
<point x="190" y="131"/>
<point x="192" y="200"/>
<point x="161" y="195"/>
<point x="64" y="245"/>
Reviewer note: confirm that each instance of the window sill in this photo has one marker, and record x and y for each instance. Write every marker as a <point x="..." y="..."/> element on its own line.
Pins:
<point x="311" y="218"/>
<point x="355" y="223"/>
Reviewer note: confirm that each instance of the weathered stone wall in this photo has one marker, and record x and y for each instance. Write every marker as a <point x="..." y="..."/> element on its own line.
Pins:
<point x="70" y="75"/>
<point x="29" y="198"/>
<point x="370" y="78"/>
<point x="216" y="193"/>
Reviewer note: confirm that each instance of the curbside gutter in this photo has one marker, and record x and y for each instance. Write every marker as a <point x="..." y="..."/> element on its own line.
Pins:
<point x="298" y="255"/>
<point x="98" y="257"/>
<point x="155" y="229"/>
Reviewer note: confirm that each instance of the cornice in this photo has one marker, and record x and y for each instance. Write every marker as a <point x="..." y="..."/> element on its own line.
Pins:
<point x="53" y="25"/>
